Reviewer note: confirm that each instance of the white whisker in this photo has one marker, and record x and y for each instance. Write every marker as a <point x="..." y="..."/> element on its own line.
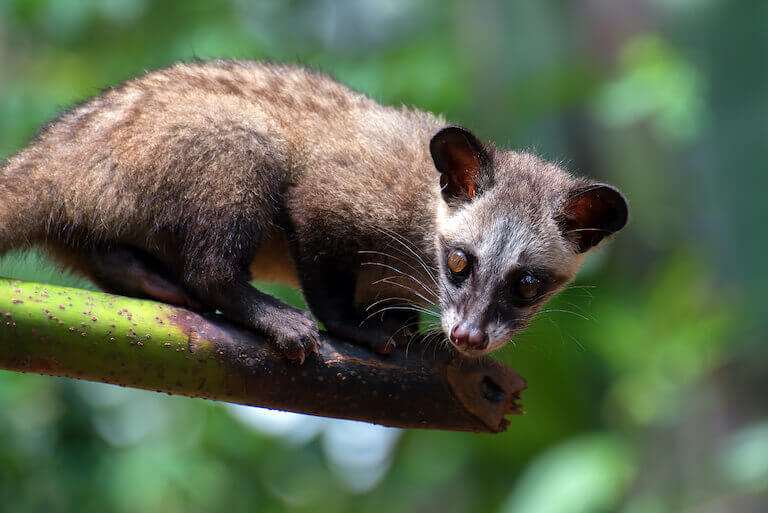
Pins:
<point x="550" y="310"/>
<point x="387" y="255"/>
<point x="407" y="245"/>
<point x="386" y="266"/>
<point x="388" y="279"/>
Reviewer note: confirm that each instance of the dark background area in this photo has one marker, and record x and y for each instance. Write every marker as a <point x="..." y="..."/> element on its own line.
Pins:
<point x="647" y="380"/>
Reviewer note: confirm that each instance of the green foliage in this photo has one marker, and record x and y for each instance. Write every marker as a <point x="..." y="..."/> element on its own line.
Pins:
<point x="656" y="84"/>
<point x="629" y="370"/>
<point x="589" y="474"/>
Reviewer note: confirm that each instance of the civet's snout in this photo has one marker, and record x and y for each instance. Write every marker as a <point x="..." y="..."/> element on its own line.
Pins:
<point x="466" y="335"/>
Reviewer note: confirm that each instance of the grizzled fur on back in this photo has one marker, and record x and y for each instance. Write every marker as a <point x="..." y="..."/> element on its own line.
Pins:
<point x="185" y="183"/>
<point x="209" y="142"/>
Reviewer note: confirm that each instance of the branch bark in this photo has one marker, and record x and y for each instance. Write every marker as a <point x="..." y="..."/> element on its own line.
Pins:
<point x="143" y="344"/>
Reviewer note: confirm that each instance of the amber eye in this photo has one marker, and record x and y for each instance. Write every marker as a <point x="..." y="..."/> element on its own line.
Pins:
<point x="458" y="262"/>
<point x="528" y="286"/>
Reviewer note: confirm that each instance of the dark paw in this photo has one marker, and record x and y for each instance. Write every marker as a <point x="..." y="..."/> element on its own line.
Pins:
<point x="390" y="335"/>
<point x="295" y="334"/>
<point x="379" y="339"/>
<point x="384" y="341"/>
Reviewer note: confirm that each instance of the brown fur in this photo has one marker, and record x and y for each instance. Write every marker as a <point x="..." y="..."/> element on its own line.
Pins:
<point x="188" y="138"/>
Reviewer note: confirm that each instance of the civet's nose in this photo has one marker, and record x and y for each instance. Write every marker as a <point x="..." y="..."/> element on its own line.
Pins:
<point x="469" y="336"/>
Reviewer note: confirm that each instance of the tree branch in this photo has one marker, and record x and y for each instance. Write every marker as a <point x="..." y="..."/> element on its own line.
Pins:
<point x="143" y="344"/>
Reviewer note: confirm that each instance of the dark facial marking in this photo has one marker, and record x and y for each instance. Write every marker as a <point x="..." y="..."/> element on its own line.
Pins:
<point x="526" y="286"/>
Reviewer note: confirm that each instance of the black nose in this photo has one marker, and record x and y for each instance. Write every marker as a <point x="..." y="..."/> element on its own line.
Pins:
<point x="468" y="335"/>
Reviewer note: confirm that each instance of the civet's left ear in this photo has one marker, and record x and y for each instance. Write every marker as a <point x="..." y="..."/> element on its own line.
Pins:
<point x="462" y="160"/>
<point x="591" y="213"/>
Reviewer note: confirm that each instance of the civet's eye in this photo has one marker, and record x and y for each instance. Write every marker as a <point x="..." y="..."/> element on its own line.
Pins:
<point x="527" y="286"/>
<point x="458" y="262"/>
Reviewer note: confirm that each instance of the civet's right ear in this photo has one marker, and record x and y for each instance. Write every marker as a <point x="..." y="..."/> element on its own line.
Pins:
<point x="461" y="158"/>
<point x="591" y="213"/>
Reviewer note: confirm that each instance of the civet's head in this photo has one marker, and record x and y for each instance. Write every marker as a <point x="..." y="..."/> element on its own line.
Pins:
<point x="513" y="230"/>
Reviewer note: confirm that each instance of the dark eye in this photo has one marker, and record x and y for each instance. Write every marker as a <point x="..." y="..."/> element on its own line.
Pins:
<point x="527" y="286"/>
<point x="458" y="262"/>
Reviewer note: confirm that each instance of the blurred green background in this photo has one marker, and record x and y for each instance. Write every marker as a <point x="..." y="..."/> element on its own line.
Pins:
<point x="647" y="385"/>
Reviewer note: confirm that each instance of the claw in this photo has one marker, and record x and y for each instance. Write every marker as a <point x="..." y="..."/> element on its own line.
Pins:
<point x="386" y="348"/>
<point x="403" y="338"/>
<point x="297" y="356"/>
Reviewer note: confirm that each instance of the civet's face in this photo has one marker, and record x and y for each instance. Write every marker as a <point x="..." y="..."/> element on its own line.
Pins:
<point x="513" y="233"/>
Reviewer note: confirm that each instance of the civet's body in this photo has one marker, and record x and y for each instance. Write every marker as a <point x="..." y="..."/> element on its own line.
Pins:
<point x="185" y="183"/>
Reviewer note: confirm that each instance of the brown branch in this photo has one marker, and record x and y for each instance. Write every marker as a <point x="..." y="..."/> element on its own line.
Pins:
<point x="143" y="344"/>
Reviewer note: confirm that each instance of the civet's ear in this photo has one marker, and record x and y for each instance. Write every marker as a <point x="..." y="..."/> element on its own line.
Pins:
<point x="591" y="213"/>
<point x="461" y="159"/>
